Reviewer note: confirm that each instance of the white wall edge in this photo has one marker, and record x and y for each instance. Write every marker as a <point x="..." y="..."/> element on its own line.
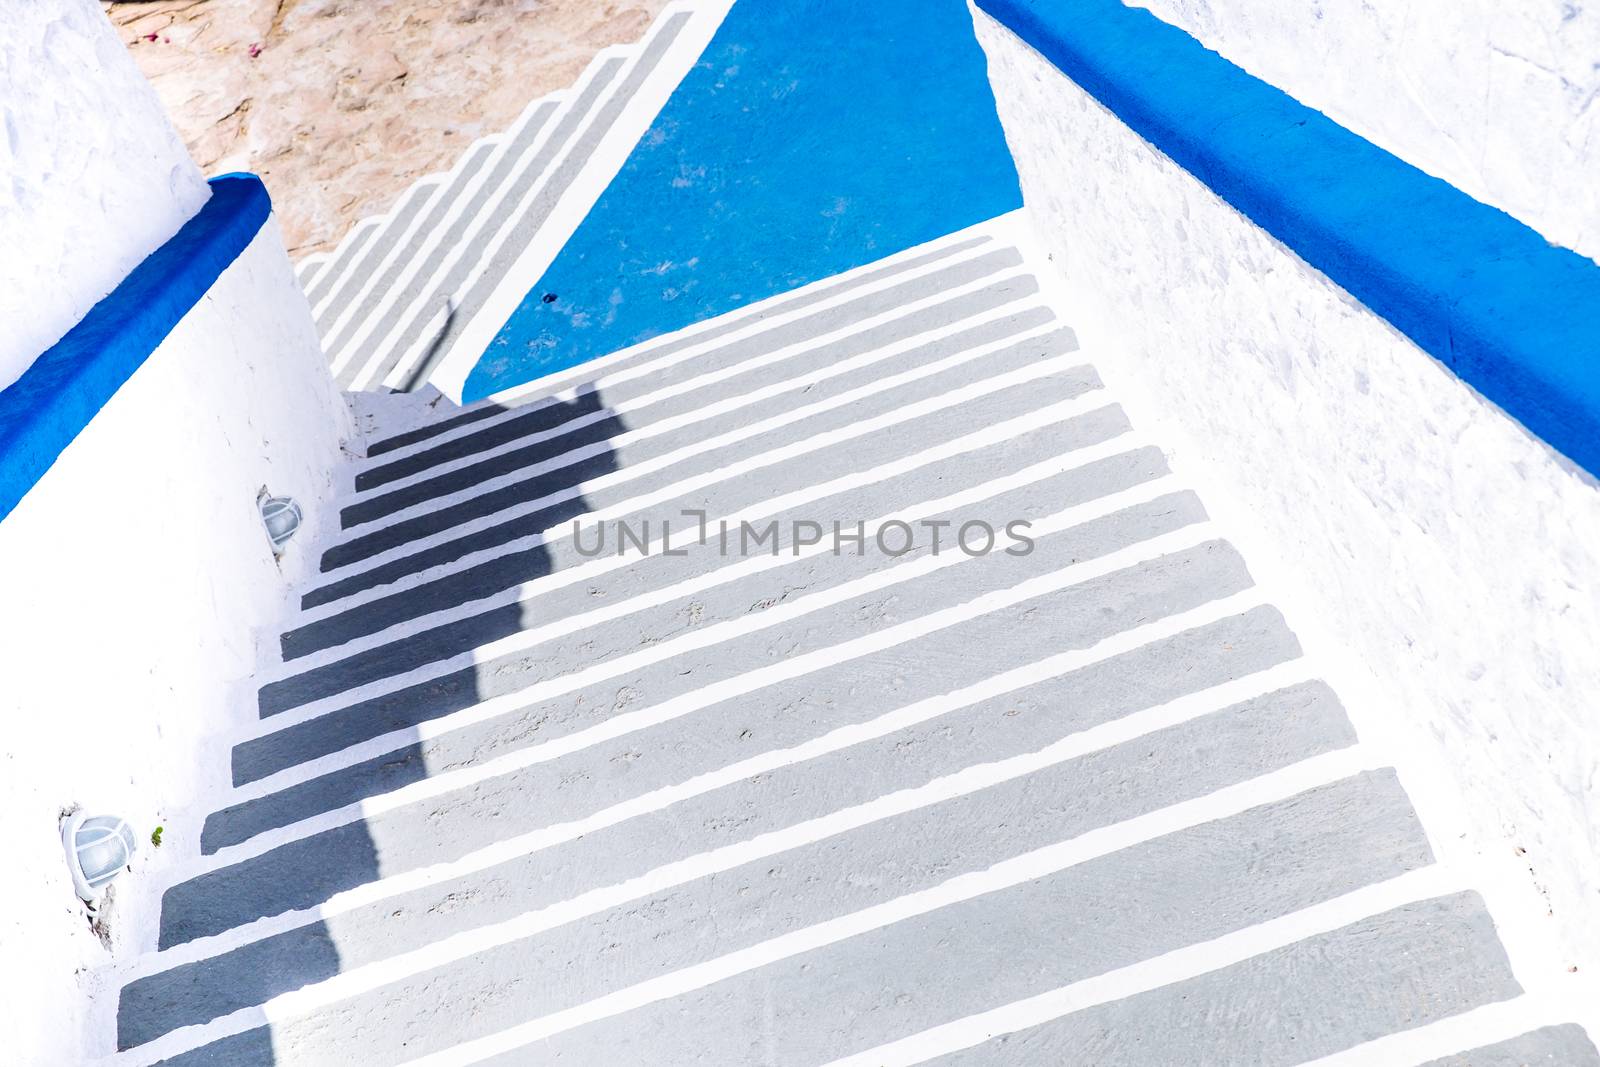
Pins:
<point x="148" y="592"/>
<point x="1439" y="558"/>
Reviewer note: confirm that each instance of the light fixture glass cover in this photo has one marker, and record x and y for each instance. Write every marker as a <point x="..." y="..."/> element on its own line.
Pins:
<point x="282" y="518"/>
<point x="98" y="848"/>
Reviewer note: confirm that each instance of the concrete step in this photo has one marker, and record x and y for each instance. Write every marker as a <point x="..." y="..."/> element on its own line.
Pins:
<point x="562" y="559"/>
<point x="429" y="694"/>
<point x="361" y="342"/>
<point x="1332" y="840"/>
<point x="774" y="761"/>
<point x="460" y="464"/>
<point x="908" y="484"/>
<point x="539" y="723"/>
<point x="614" y="478"/>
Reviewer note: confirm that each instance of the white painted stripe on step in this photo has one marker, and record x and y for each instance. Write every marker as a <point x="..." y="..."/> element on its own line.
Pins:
<point x="730" y="572"/>
<point x="1039" y="863"/>
<point x="1228" y="801"/>
<point x="1044" y="368"/>
<point x="1176" y="711"/>
<point x="1486" y="1025"/>
<point x="810" y="373"/>
<point x="728" y="437"/>
<point x="1178" y="965"/>
<point x="594" y="374"/>
<point x="450" y="376"/>
<point x="626" y="723"/>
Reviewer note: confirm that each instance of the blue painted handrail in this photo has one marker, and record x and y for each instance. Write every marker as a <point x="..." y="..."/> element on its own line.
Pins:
<point x="1510" y="314"/>
<point x="45" y="409"/>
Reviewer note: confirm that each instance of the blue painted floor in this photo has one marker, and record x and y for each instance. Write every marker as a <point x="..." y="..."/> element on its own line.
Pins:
<point x="812" y="137"/>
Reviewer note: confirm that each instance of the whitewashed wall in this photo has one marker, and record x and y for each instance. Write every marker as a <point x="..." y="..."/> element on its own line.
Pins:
<point x="1448" y="556"/>
<point x="1501" y="100"/>
<point x="138" y="583"/>
<point x="93" y="177"/>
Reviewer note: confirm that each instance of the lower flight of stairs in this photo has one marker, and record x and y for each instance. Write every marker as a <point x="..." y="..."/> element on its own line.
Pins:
<point x="393" y="300"/>
<point x="513" y="799"/>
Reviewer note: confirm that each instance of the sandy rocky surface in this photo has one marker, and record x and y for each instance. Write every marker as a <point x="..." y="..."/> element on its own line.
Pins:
<point x="340" y="104"/>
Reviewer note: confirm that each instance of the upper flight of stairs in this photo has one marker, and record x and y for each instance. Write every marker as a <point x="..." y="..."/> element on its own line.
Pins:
<point x="393" y="300"/>
<point x="512" y="802"/>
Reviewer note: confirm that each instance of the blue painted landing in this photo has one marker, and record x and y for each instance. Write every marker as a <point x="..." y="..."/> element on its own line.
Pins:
<point x="812" y="137"/>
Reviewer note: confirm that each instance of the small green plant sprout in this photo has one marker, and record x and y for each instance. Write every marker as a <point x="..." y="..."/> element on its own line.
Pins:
<point x="155" y="837"/>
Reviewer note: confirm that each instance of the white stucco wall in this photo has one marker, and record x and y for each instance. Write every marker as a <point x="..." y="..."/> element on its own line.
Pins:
<point x="1501" y="100"/>
<point x="93" y="177"/>
<point x="1450" y="557"/>
<point x="138" y="582"/>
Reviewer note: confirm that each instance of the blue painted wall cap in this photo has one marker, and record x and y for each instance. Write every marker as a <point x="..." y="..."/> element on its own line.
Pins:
<point x="54" y="399"/>
<point x="1511" y="314"/>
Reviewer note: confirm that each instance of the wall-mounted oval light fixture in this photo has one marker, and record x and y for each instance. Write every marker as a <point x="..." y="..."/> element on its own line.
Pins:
<point x="98" y="848"/>
<point x="282" y="518"/>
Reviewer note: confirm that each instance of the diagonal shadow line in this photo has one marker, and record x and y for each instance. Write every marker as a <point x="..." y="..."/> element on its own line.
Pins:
<point x="221" y="900"/>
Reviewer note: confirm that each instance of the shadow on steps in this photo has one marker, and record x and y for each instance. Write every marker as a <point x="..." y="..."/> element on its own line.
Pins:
<point x="295" y="879"/>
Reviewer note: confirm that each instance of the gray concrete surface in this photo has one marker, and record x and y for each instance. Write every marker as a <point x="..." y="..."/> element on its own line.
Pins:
<point x="705" y="781"/>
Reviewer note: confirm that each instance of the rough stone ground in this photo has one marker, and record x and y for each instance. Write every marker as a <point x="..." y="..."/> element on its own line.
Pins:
<point x="340" y="106"/>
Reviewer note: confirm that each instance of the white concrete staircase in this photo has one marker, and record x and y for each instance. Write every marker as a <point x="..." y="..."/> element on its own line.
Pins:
<point x="688" y="799"/>
<point x="513" y="802"/>
<point x="394" y="302"/>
